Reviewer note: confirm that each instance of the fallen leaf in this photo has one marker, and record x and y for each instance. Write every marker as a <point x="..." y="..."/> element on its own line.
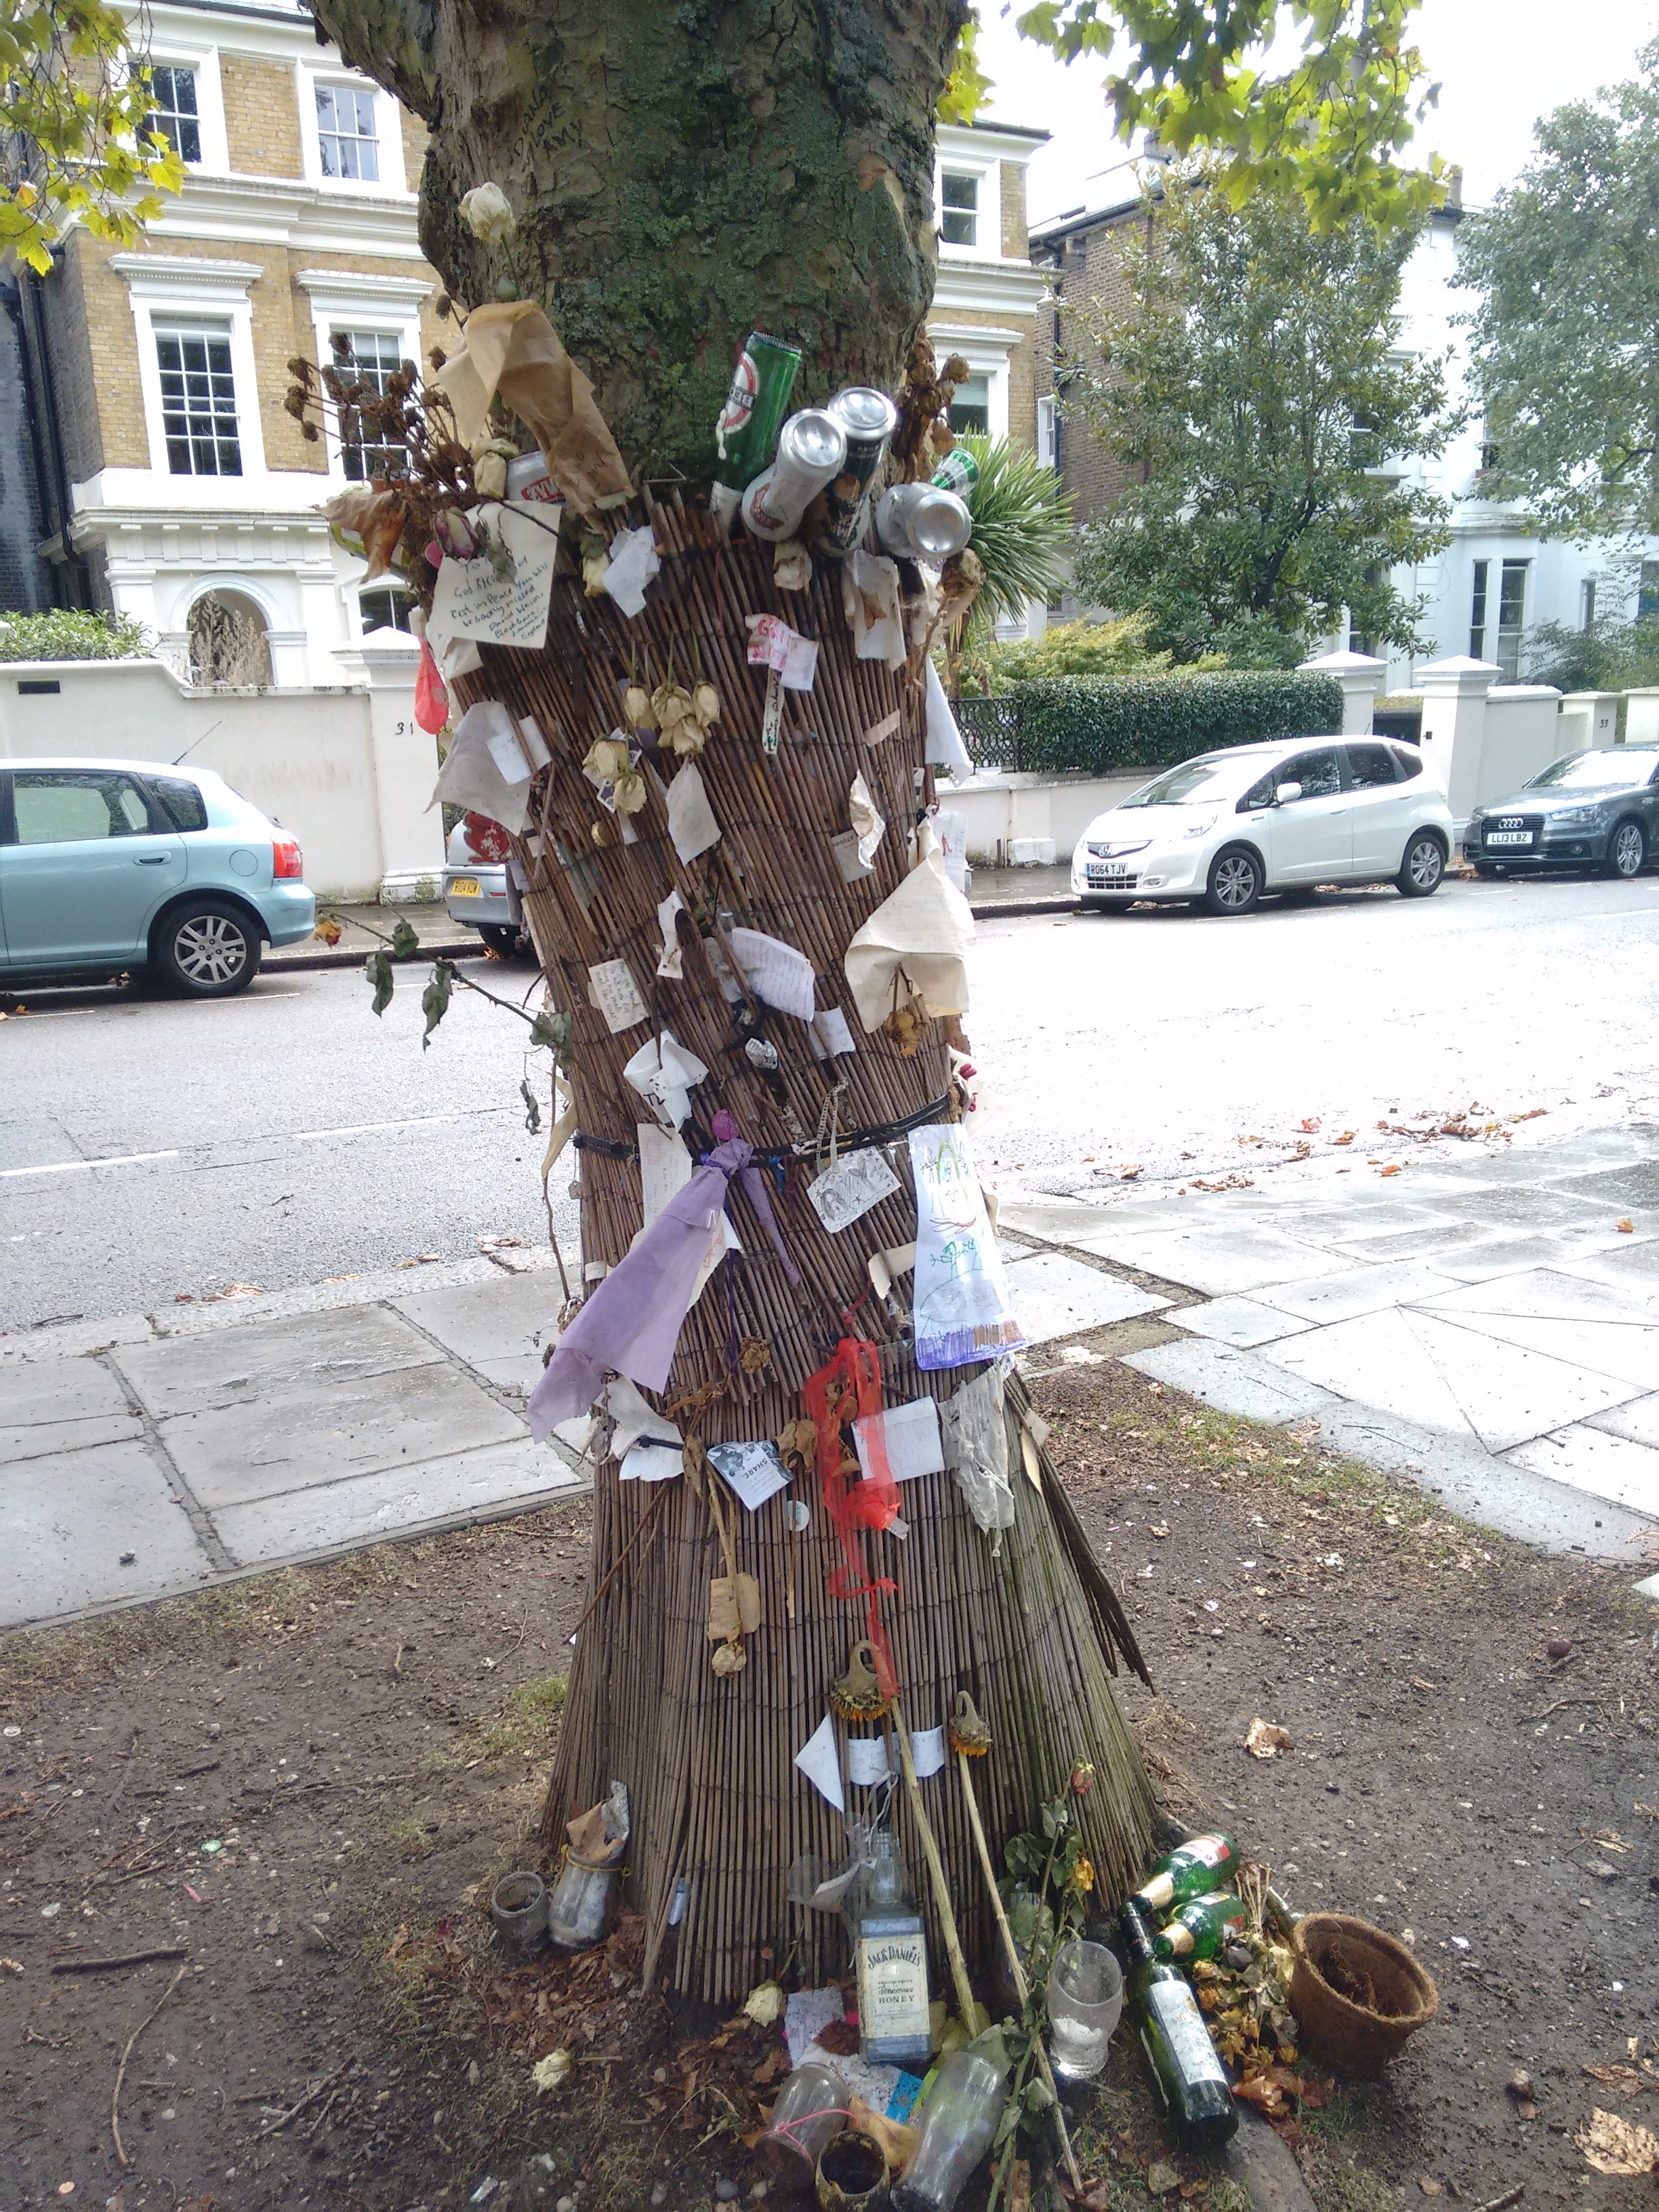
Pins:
<point x="1393" y="1169"/>
<point x="1430" y="2188"/>
<point x="12" y="1966"/>
<point x="1159" y="1529"/>
<point x="1347" y="1138"/>
<point x="1161" y="2177"/>
<point x="1263" y="1739"/>
<point x="1617" y="2077"/>
<point x="421" y="1260"/>
<point x="551" y="2072"/>
<point x="328" y="929"/>
<point x="895" y="2141"/>
<point x="1614" y="2145"/>
<point x="1419" y="1683"/>
<point x="1625" y="1228"/>
<point x="1310" y="1124"/>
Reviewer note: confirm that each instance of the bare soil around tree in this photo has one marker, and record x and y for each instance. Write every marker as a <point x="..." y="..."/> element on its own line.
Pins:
<point x="301" y="1790"/>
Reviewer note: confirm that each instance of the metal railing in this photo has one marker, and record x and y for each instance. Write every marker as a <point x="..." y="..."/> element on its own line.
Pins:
<point x="991" y="731"/>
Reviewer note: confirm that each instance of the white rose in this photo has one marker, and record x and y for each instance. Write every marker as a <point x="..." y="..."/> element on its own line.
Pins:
<point x="489" y="212"/>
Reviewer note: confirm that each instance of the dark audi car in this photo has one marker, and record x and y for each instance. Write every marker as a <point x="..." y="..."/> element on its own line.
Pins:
<point x="1595" y="810"/>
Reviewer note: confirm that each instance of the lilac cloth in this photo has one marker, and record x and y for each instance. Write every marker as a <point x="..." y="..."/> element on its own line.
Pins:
<point x="633" y="1321"/>
<point x="754" y="1183"/>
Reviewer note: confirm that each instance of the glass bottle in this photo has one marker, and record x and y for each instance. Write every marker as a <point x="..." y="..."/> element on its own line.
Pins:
<point x="1196" y="1869"/>
<point x="1201" y="1928"/>
<point x="958" y="2125"/>
<point x="889" y="1953"/>
<point x="1190" y="2078"/>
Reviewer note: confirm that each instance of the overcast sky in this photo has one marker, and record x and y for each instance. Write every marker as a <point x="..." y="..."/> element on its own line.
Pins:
<point x="1500" y="64"/>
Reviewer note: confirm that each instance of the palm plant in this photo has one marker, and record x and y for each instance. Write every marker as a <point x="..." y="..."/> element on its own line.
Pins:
<point x="1022" y="537"/>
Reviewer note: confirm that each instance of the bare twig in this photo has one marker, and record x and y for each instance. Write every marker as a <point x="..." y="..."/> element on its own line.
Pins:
<point x="317" y="2089"/>
<point x="127" y="1959"/>
<point x="1503" y="2203"/>
<point x="121" y="2071"/>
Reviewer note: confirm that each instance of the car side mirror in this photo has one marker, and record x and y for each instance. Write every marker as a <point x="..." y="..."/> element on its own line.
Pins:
<point x="1286" y="793"/>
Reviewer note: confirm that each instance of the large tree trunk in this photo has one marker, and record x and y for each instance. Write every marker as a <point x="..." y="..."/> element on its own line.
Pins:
<point x="682" y="173"/>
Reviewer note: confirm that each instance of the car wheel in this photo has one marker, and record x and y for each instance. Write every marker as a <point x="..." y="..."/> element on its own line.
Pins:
<point x="1627" y="851"/>
<point x="1423" y="865"/>
<point x="206" y="950"/>
<point x="1235" y="882"/>
<point x="500" y="941"/>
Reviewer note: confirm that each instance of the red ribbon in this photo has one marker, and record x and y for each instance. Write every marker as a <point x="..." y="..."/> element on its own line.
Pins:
<point x="847" y="1387"/>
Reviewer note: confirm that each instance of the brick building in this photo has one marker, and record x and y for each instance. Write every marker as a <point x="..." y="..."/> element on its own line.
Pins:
<point x="168" y="482"/>
<point x="1082" y="253"/>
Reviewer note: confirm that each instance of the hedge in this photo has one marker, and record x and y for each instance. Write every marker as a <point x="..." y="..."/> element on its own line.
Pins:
<point x="1104" y="724"/>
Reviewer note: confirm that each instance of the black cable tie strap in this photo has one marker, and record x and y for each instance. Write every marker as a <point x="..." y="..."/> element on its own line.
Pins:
<point x="606" y="1146"/>
<point x="850" y="1140"/>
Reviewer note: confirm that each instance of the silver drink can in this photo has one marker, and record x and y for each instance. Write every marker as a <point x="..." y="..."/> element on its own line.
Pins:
<point x="869" y="419"/>
<point x="811" y="448"/>
<point x="920" y="522"/>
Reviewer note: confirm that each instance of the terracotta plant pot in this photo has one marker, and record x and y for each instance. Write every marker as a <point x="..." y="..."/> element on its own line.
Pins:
<point x="1356" y="1992"/>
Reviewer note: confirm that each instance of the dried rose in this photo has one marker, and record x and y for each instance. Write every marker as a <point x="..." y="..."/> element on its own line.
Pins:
<point x="636" y="705"/>
<point x="454" y="533"/>
<point x="607" y="759"/>
<point x="706" y="705"/>
<point x="488" y="213"/>
<point x="1083" y="1778"/>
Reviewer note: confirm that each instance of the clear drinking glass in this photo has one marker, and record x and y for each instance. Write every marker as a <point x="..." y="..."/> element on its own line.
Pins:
<point x="810" y="2108"/>
<point x="1086" y="2000"/>
<point x="958" y="2124"/>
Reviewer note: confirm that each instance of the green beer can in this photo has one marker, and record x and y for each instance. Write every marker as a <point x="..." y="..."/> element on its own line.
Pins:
<point x="958" y="472"/>
<point x="747" y="430"/>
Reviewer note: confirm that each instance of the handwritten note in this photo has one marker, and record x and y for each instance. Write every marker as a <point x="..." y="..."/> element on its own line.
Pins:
<point x="611" y="988"/>
<point x="857" y="1182"/>
<point x="961" y="1296"/>
<point x="471" y="601"/>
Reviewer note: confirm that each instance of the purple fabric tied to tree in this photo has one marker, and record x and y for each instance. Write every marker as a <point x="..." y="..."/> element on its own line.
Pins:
<point x="754" y="1183"/>
<point x="633" y="1321"/>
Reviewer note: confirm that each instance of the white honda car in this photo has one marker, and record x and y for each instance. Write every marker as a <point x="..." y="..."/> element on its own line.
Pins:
<point x="1229" y="827"/>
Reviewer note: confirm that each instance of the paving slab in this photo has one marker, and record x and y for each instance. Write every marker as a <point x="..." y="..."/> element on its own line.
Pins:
<point x="69" y="1516"/>
<point x="1242" y="1321"/>
<point x="1636" y="1418"/>
<point x="1236" y="1381"/>
<point x="69" y="1339"/>
<point x="399" y="1501"/>
<point x="63" y="1405"/>
<point x="1218" y="1259"/>
<point x="1357" y="1291"/>
<point x="309" y="1434"/>
<point x="1441" y="1376"/>
<point x="499" y="1328"/>
<point x="1483" y="1258"/>
<point x="1062" y="1220"/>
<point x="302" y="1354"/>
<point x="1627" y="1190"/>
<point x="1051" y="1296"/>
<point x="214" y="1317"/>
<point x="1614" y="1467"/>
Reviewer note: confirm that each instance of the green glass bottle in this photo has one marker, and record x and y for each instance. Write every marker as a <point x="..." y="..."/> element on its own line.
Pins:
<point x="1201" y="1928"/>
<point x="1191" y="2080"/>
<point x="1196" y="1868"/>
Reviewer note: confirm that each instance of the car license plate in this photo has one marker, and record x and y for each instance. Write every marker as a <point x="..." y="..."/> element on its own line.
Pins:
<point x="1107" y="879"/>
<point x="464" y="887"/>
<point x="1509" y="837"/>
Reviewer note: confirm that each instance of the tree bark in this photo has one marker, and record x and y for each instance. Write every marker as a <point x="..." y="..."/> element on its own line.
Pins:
<point x="682" y="173"/>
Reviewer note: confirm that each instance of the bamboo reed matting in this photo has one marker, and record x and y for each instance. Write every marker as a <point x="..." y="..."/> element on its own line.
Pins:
<point x="720" y="1811"/>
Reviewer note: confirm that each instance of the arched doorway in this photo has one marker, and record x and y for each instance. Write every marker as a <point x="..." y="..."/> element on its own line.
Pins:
<point x="228" y="647"/>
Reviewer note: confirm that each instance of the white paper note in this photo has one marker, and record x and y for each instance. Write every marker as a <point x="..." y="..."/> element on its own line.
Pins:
<point x="691" y="823"/>
<point x="653" y="1464"/>
<point x="944" y="747"/>
<point x="613" y="989"/>
<point x="507" y="754"/>
<point x="829" y="1034"/>
<point x="926" y="1751"/>
<point x="635" y="1420"/>
<point x="530" y="730"/>
<point x="845" y="846"/>
<point x="632" y="565"/>
<point x="866" y="1760"/>
<point x="671" y="967"/>
<point x="879" y="732"/>
<point x="469" y="777"/>
<point x="778" y="975"/>
<point x="664" y="1074"/>
<point x="819" y="1761"/>
<point x="470" y="601"/>
<point x="754" y="1470"/>
<point x="861" y="812"/>
<point x="857" y="1182"/>
<point x="910" y="1435"/>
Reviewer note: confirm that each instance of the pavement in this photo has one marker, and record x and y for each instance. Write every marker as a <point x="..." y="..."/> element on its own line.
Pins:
<point x="277" y="1278"/>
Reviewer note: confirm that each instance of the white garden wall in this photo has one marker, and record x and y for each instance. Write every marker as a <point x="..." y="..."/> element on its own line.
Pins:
<point x="347" y="770"/>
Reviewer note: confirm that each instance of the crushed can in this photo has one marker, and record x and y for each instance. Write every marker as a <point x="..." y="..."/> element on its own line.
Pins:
<point x="920" y="522"/>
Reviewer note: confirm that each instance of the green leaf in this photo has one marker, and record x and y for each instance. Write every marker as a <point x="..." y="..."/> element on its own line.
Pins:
<point x="551" y="1033"/>
<point x="405" y="941"/>
<point x="378" y="969"/>
<point x="1039" y="2098"/>
<point x="434" y="1000"/>
<point x="532" y="1106"/>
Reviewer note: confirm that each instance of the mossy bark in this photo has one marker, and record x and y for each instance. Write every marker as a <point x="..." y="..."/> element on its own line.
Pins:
<point x="682" y="172"/>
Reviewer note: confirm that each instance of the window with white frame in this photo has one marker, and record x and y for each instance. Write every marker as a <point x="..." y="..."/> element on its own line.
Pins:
<point x="959" y="209"/>
<point x="347" y="144"/>
<point x="1511" y="616"/>
<point x="971" y="408"/>
<point x="365" y="361"/>
<point x="1587" y="603"/>
<point x="176" y="115"/>
<point x="1048" y="428"/>
<point x="384" y="606"/>
<point x="198" y="399"/>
